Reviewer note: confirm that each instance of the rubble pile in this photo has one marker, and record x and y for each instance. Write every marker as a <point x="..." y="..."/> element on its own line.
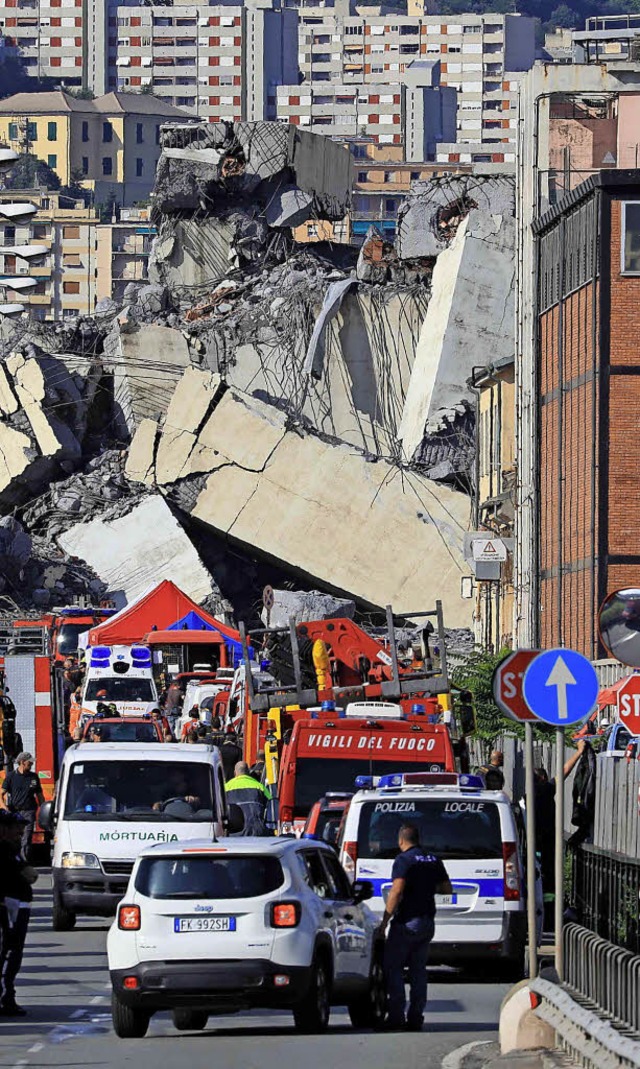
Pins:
<point x="261" y="403"/>
<point x="35" y="572"/>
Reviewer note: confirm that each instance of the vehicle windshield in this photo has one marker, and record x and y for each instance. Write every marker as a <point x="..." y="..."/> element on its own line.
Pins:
<point x="139" y="790"/>
<point x="124" y="732"/>
<point x="315" y="777"/>
<point x="120" y="689"/>
<point x="67" y="640"/>
<point x="450" y="828"/>
<point x="206" y="877"/>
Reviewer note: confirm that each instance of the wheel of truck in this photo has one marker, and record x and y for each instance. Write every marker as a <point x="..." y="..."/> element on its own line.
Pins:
<point x="63" y="919"/>
<point x="127" y="1022"/>
<point x="186" y="1020"/>
<point x="368" y="1010"/>
<point x="311" y="1015"/>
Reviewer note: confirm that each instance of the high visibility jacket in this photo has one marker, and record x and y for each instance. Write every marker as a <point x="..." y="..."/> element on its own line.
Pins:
<point x="252" y="798"/>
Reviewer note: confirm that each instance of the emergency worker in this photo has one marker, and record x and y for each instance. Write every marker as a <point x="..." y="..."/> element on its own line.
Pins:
<point x="230" y="753"/>
<point x="192" y="723"/>
<point x="16" y="878"/>
<point x="21" y="793"/>
<point x="417" y="877"/>
<point x="75" y="709"/>
<point x="251" y="796"/>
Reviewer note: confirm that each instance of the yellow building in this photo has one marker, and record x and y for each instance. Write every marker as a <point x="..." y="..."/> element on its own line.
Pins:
<point x="47" y="255"/>
<point x="495" y="495"/>
<point x="110" y="144"/>
<point x="123" y="252"/>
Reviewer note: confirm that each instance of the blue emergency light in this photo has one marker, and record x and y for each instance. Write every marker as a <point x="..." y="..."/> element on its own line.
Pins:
<point x="100" y="657"/>
<point x="431" y="779"/>
<point x="417" y="709"/>
<point x="362" y="782"/>
<point x="141" y="656"/>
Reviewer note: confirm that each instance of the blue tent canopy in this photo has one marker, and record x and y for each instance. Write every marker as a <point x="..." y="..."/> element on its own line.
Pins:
<point x="193" y="622"/>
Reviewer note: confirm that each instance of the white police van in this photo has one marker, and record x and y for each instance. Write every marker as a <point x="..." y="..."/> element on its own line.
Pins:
<point x="474" y="832"/>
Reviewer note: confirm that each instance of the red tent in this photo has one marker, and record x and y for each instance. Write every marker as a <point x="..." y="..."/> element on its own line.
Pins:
<point x="157" y="608"/>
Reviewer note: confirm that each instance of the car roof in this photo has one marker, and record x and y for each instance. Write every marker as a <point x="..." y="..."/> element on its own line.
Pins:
<point x="393" y="794"/>
<point x="278" y="846"/>
<point x="170" y="751"/>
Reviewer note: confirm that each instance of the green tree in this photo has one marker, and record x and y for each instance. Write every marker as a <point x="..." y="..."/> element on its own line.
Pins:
<point x="476" y="675"/>
<point x="31" y="173"/>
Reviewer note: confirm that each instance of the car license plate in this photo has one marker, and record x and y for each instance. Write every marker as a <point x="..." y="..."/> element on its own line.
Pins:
<point x="204" y="924"/>
<point x="446" y="900"/>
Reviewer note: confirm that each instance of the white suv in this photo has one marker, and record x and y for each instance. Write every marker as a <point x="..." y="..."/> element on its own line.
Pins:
<point x="217" y="927"/>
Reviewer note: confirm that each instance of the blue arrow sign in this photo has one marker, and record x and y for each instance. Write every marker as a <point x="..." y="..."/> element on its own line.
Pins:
<point x="560" y="687"/>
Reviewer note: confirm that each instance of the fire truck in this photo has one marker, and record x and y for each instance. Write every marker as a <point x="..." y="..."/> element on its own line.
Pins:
<point x="369" y="712"/>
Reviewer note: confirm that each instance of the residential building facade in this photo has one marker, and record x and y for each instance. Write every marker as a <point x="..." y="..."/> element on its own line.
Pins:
<point x="110" y="144"/>
<point x="219" y="62"/>
<point x="122" y="252"/>
<point x="48" y="255"/>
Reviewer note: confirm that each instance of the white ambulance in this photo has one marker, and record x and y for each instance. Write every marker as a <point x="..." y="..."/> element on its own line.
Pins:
<point x="474" y="832"/>
<point x="121" y="675"/>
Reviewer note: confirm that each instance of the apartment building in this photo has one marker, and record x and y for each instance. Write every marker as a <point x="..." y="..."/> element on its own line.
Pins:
<point x="111" y="144"/>
<point x="47" y="255"/>
<point x="220" y="62"/>
<point x="122" y="252"/>
<point x="479" y="56"/>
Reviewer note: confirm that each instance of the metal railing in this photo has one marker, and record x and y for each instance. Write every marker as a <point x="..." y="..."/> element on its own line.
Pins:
<point x="605" y="976"/>
<point x="605" y="895"/>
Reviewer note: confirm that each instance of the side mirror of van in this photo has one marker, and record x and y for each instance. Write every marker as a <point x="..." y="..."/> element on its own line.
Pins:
<point x="362" y="890"/>
<point x="45" y="816"/>
<point x="236" y="819"/>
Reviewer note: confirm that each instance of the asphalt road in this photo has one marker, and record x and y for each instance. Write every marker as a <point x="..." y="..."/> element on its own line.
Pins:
<point x="64" y="985"/>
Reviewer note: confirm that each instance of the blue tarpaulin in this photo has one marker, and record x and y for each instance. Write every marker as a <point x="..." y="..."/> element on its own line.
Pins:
<point x="193" y="622"/>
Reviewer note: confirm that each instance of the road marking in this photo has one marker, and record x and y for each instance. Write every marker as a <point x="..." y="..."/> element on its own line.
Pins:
<point x="76" y="1013"/>
<point x="96" y="999"/>
<point x="35" y="1048"/>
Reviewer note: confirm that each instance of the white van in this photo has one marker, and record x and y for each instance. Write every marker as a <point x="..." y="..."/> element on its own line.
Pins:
<point x="122" y="675"/>
<point x="112" y="800"/>
<point x="474" y="832"/>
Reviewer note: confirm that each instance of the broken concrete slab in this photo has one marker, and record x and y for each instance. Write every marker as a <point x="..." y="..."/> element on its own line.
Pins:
<point x="469" y="322"/>
<point x="190" y="404"/>
<point x="429" y="217"/>
<point x="290" y="207"/>
<point x="147" y="362"/>
<point x="306" y="605"/>
<point x="140" y="459"/>
<point x="325" y="510"/>
<point x="137" y="550"/>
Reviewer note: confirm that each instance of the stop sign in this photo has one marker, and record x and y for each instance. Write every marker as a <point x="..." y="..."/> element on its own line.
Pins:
<point x="507" y="685"/>
<point x="629" y="704"/>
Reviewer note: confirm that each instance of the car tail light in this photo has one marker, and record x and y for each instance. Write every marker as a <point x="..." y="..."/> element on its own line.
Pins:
<point x="349" y="860"/>
<point x="286" y="814"/>
<point x="285" y="914"/>
<point x="130" y="983"/>
<point x="129" y="918"/>
<point x="511" y="872"/>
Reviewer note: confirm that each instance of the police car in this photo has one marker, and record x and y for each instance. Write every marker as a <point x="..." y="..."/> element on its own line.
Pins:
<point x="474" y="832"/>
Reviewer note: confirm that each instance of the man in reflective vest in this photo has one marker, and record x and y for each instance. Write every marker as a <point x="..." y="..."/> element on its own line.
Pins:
<point x="251" y="796"/>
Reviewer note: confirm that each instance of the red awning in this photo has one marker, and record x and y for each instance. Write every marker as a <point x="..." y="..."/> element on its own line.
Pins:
<point x="178" y="638"/>
<point x="609" y="695"/>
<point x="156" y="609"/>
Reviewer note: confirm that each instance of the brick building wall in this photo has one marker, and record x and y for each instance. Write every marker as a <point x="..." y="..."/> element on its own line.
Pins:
<point x="589" y="366"/>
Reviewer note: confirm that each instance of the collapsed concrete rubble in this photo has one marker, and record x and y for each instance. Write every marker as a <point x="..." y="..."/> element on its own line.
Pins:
<point x="299" y="408"/>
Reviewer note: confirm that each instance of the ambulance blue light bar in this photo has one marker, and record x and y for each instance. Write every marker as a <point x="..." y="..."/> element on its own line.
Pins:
<point x="100" y="656"/>
<point x="430" y="779"/>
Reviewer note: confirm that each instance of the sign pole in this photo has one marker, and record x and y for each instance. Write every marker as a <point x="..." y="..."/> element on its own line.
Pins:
<point x="531" y="849"/>
<point x="559" y="859"/>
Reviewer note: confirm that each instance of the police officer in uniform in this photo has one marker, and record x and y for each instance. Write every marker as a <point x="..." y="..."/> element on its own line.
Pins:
<point x="410" y="913"/>
<point x="21" y="793"/>
<point x="16" y="878"/>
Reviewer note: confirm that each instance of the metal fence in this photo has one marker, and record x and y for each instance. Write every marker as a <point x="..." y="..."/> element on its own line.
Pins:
<point x="605" y="894"/>
<point x="606" y="976"/>
<point x="617" y="821"/>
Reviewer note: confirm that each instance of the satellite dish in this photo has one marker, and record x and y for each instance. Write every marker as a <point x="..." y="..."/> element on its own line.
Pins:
<point x="619" y="624"/>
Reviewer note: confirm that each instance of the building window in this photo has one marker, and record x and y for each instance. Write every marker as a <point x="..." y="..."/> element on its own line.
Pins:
<point x="630" y="238"/>
<point x="139" y="133"/>
<point x="157" y="134"/>
<point x="107" y="133"/>
<point x="71" y="233"/>
<point x="13" y="131"/>
<point x="52" y="131"/>
<point x="362" y="176"/>
<point x="9" y="234"/>
<point x="85" y="165"/>
<point x="107" y="165"/>
<point x="71" y="287"/>
<point x="85" y="131"/>
<point x="52" y="161"/>
<point x="139" y="167"/>
<point x="32" y="131"/>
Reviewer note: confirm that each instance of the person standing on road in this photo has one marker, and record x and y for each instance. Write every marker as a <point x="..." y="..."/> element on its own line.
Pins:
<point x="21" y="793"/>
<point x="251" y="796"/>
<point x="418" y="877"/>
<point x="16" y="878"/>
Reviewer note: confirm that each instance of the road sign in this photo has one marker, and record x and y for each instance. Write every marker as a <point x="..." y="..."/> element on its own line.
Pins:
<point x="560" y="687"/>
<point x="507" y="685"/>
<point x="268" y="597"/>
<point x="629" y="704"/>
<point x="488" y="549"/>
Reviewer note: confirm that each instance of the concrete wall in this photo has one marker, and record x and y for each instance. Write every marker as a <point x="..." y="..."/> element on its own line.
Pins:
<point x="138" y="550"/>
<point x="469" y="322"/>
<point x="366" y="529"/>
<point x="147" y="362"/>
